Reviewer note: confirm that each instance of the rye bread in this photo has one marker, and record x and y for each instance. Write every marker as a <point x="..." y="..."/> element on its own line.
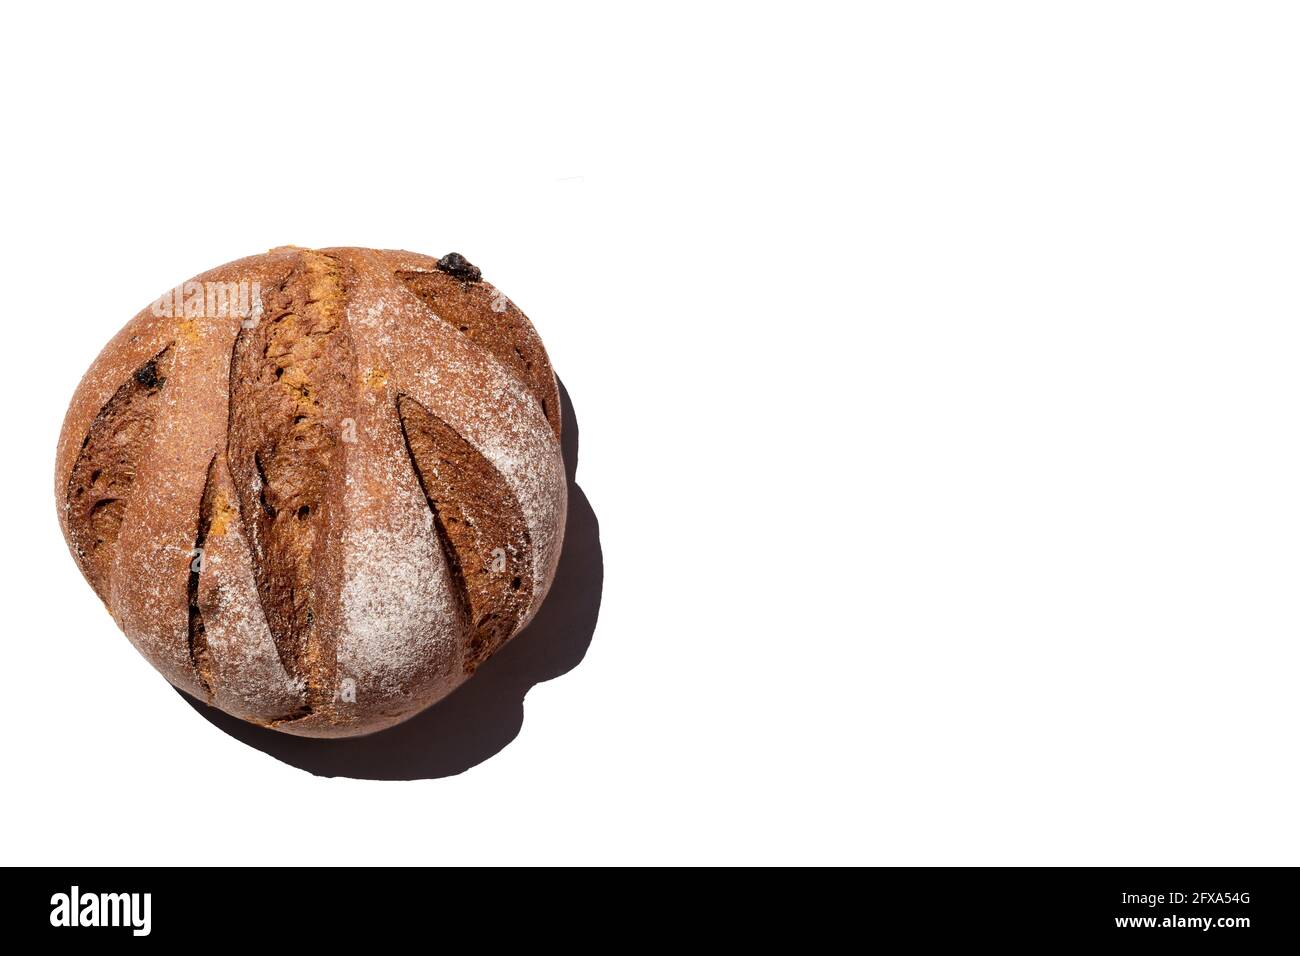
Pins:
<point x="323" y="515"/>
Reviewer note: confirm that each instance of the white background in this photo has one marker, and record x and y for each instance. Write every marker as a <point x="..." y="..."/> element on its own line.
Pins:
<point x="936" y="369"/>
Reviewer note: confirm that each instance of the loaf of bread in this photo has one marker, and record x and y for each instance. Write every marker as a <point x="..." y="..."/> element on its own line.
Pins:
<point x="317" y="489"/>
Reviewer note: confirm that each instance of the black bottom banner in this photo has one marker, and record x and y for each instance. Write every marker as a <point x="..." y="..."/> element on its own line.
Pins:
<point x="1222" y="907"/>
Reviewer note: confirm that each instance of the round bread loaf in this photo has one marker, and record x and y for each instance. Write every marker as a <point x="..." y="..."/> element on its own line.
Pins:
<point x="317" y="489"/>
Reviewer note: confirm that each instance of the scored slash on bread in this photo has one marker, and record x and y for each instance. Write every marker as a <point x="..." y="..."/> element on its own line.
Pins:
<point x="324" y="517"/>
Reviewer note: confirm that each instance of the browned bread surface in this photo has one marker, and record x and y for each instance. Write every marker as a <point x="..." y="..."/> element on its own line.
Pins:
<point x="320" y="514"/>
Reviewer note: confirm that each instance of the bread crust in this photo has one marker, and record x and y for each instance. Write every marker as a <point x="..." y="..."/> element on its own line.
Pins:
<point x="264" y="525"/>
